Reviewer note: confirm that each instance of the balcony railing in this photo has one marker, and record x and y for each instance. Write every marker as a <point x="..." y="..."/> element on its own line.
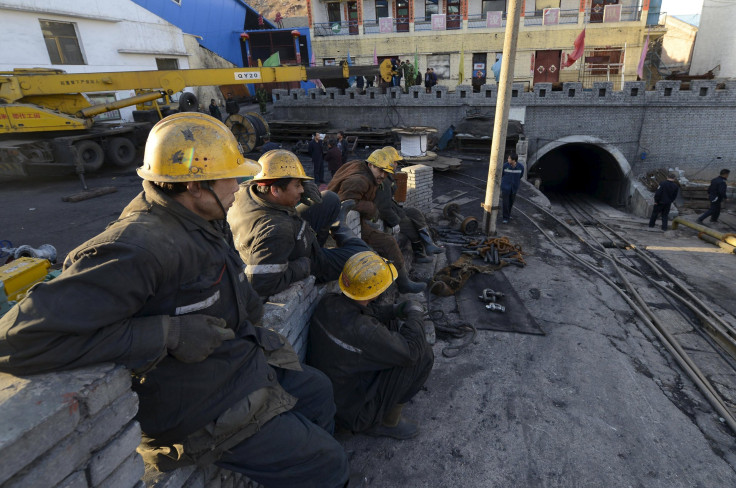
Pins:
<point x="342" y="28"/>
<point x="478" y="21"/>
<point x="536" y="17"/>
<point x="628" y="14"/>
<point x="373" y="26"/>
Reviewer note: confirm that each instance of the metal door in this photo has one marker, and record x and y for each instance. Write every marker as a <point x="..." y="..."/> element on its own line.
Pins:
<point x="402" y="16"/>
<point x="596" y="9"/>
<point x="547" y="66"/>
<point x="353" y="18"/>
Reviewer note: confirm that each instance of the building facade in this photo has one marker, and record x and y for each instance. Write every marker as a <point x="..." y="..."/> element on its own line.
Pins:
<point x="715" y="46"/>
<point x="87" y="37"/>
<point x="442" y="34"/>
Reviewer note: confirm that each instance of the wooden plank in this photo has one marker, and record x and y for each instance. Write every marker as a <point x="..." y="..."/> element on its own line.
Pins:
<point x="87" y="194"/>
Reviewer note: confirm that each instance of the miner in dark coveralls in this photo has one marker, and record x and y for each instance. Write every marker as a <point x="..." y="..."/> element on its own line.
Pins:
<point x="162" y="292"/>
<point x="376" y="356"/>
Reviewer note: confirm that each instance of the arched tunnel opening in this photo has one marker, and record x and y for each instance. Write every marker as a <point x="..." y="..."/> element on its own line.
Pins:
<point x="581" y="168"/>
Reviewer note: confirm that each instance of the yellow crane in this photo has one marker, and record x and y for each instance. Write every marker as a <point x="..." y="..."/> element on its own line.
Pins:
<point x="46" y="121"/>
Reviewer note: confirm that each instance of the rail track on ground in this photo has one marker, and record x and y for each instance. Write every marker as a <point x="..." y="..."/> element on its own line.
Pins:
<point x="698" y="338"/>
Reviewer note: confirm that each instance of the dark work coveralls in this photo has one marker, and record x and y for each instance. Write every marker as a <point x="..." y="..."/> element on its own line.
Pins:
<point x="716" y="195"/>
<point x="372" y="362"/>
<point x="270" y="238"/>
<point x="315" y="150"/>
<point x="664" y="196"/>
<point x="510" y="182"/>
<point x="409" y="219"/>
<point x="113" y="303"/>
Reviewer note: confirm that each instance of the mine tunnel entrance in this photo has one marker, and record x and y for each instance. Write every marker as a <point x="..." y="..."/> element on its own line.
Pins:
<point x="581" y="168"/>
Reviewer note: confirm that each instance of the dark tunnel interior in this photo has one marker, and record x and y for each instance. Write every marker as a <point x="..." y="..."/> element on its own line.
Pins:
<point x="581" y="168"/>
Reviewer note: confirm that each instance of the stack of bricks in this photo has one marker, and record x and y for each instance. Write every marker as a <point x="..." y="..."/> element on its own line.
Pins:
<point x="70" y="429"/>
<point x="418" y="187"/>
<point x="288" y="312"/>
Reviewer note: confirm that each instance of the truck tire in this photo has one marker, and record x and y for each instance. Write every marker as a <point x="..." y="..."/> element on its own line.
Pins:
<point x="188" y="102"/>
<point x="120" y="151"/>
<point x="91" y="154"/>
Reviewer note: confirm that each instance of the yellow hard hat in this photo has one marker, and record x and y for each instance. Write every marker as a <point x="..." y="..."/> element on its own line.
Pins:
<point x="280" y="163"/>
<point x="391" y="151"/>
<point x="366" y="275"/>
<point x="191" y="146"/>
<point x="380" y="159"/>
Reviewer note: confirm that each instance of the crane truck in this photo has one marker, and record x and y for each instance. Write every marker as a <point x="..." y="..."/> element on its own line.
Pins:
<point x="47" y="121"/>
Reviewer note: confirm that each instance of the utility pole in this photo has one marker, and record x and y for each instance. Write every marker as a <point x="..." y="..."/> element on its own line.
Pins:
<point x="500" y="123"/>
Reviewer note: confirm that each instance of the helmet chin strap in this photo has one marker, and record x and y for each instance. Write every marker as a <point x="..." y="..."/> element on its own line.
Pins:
<point x="221" y="223"/>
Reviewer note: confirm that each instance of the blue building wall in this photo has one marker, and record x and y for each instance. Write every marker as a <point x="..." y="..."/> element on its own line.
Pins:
<point x="219" y="23"/>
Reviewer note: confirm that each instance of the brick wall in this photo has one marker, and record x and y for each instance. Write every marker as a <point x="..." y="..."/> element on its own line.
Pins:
<point x="666" y="127"/>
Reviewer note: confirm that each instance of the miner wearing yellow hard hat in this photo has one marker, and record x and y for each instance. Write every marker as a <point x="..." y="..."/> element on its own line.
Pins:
<point x="409" y="221"/>
<point x="161" y="291"/>
<point x="281" y="222"/>
<point x="357" y="181"/>
<point x="376" y="356"/>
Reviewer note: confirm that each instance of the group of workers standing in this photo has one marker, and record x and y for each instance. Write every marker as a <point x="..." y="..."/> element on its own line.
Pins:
<point x="174" y="289"/>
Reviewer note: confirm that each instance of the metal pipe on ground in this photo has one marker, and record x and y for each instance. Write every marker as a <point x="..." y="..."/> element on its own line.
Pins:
<point x="727" y="238"/>
<point x="723" y="245"/>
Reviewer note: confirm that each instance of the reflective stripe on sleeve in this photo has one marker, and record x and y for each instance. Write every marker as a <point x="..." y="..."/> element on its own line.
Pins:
<point x="199" y="305"/>
<point x="254" y="269"/>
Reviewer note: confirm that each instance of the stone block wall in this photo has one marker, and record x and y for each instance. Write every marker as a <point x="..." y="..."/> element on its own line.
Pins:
<point x="70" y="430"/>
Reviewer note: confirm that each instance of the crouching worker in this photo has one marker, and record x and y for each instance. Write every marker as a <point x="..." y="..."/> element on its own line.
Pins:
<point x="409" y="221"/>
<point x="357" y="181"/>
<point x="161" y="291"/>
<point x="377" y="357"/>
<point x="280" y="239"/>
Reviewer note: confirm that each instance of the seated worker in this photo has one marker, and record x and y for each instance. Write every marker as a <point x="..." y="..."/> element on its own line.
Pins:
<point x="358" y="181"/>
<point x="268" y="145"/>
<point x="161" y="291"/>
<point x="275" y="235"/>
<point x="375" y="363"/>
<point x="409" y="221"/>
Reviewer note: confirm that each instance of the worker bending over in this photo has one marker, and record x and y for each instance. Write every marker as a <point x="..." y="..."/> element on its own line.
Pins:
<point x="275" y="234"/>
<point x="358" y="181"/>
<point x="409" y="221"/>
<point x="161" y="291"/>
<point x="377" y="357"/>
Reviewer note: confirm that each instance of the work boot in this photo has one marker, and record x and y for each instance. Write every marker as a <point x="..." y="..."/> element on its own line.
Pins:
<point x="419" y="256"/>
<point x="394" y="425"/>
<point x="342" y="234"/>
<point x="429" y="245"/>
<point x="405" y="285"/>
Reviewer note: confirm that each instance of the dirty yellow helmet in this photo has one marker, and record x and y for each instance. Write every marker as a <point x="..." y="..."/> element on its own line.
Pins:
<point x="366" y="275"/>
<point x="280" y="163"/>
<point x="393" y="153"/>
<point x="380" y="159"/>
<point x="190" y="146"/>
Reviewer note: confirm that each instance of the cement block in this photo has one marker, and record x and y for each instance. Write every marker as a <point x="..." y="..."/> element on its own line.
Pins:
<point x="75" y="480"/>
<point x="74" y="451"/>
<point x="104" y="461"/>
<point x="127" y="474"/>
<point x="39" y="411"/>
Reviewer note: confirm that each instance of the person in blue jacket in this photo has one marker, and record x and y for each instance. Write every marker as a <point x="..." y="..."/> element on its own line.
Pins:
<point x="510" y="181"/>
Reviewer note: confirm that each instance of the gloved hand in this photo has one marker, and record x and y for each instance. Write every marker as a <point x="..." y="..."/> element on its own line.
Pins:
<point x="408" y="307"/>
<point x="395" y="229"/>
<point x="301" y="267"/>
<point x="347" y="205"/>
<point x="311" y="193"/>
<point x="373" y="223"/>
<point x="191" y="338"/>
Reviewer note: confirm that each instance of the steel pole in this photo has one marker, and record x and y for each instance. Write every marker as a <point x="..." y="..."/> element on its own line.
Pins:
<point x="505" y="84"/>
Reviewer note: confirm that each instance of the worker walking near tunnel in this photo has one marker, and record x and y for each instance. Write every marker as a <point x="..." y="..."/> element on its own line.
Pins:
<point x="513" y="170"/>
<point x="408" y="221"/>
<point x="717" y="195"/>
<point x="358" y="181"/>
<point x="377" y="357"/>
<point x="281" y="222"/>
<point x="663" y="198"/>
<point x="161" y="291"/>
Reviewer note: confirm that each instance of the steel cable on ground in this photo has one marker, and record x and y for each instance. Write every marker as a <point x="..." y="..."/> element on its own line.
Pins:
<point x="442" y="325"/>
<point x="680" y="356"/>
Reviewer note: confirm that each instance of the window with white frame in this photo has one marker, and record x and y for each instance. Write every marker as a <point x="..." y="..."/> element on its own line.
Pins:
<point x="62" y="42"/>
<point x="430" y="7"/>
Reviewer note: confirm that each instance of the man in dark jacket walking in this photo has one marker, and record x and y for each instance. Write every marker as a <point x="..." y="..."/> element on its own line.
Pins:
<point x="161" y="291"/>
<point x="280" y="224"/>
<point x="663" y="198"/>
<point x="333" y="156"/>
<point x="316" y="152"/>
<point x="231" y="106"/>
<point x="215" y="110"/>
<point x="377" y="357"/>
<point x="716" y="195"/>
<point x="510" y="182"/>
